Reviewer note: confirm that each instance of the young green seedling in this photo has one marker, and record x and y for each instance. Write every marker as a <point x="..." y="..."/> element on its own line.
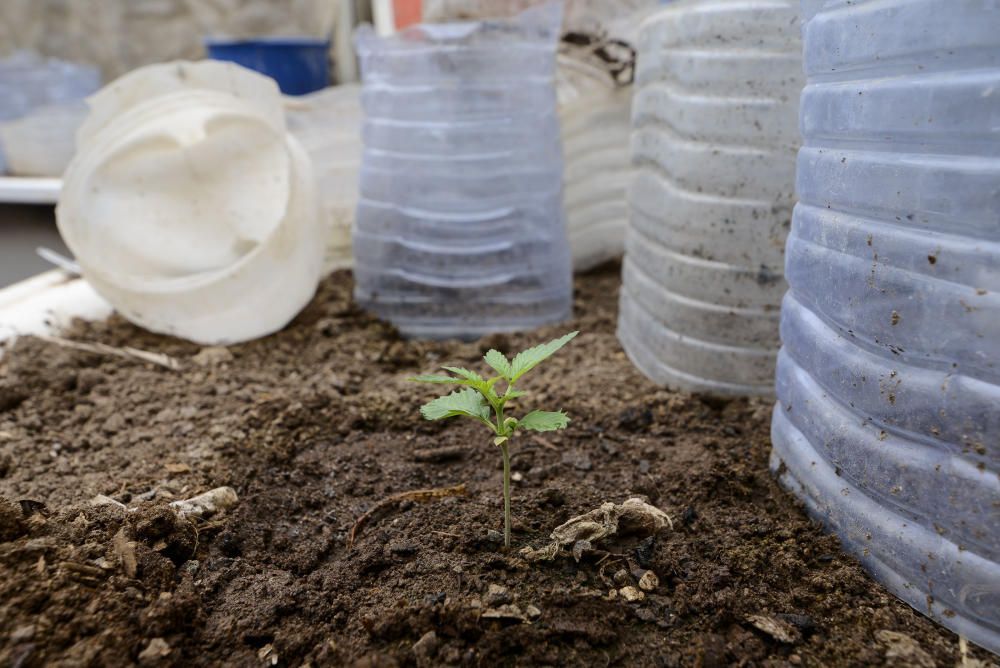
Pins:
<point x="482" y="400"/>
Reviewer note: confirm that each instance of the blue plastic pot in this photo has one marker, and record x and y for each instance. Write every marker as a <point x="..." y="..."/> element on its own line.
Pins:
<point x="300" y="65"/>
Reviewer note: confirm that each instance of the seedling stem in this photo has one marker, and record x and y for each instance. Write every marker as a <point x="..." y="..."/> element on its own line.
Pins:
<point x="479" y="400"/>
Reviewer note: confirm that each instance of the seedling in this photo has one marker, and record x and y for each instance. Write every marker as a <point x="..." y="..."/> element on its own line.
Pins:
<point x="482" y="400"/>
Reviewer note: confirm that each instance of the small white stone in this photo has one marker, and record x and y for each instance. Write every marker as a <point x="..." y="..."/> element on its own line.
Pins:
<point x="631" y="594"/>
<point x="649" y="581"/>
<point x="155" y="650"/>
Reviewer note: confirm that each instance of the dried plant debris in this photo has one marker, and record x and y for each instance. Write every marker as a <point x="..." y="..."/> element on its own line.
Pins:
<point x="635" y="517"/>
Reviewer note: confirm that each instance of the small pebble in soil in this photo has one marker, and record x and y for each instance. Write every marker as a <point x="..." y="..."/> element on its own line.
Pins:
<point x="494" y="536"/>
<point x="649" y="581"/>
<point x="155" y="650"/>
<point x="621" y="578"/>
<point x="212" y="356"/>
<point x="644" y="466"/>
<point x="631" y="594"/>
<point x="497" y="595"/>
<point x="533" y="612"/>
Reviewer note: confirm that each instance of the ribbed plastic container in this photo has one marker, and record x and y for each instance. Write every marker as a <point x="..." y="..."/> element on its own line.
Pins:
<point x="28" y="81"/>
<point x="595" y="115"/>
<point x="715" y="120"/>
<point x="328" y="125"/>
<point x="460" y="229"/>
<point x="42" y="144"/>
<point x="888" y="422"/>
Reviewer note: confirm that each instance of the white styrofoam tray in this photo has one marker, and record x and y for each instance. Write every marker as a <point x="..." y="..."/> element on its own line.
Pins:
<point x="47" y="304"/>
<point x="25" y="190"/>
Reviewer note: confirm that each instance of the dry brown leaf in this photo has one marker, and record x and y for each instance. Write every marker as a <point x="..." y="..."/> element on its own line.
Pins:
<point x="778" y="629"/>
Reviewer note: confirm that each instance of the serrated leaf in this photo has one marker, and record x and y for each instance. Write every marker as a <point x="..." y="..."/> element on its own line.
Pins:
<point x="544" y="421"/>
<point x="471" y="376"/>
<point x="466" y="402"/>
<point x="499" y="362"/>
<point x="475" y="381"/>
<point x="437" y="379"/>
<point x="532" y="357"/>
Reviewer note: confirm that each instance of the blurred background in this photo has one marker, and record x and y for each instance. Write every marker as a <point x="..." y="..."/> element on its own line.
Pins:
<point x="54" y="53"/>
<point x="117" y="36"/>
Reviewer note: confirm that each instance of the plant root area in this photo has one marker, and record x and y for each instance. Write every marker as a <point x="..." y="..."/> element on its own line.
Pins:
<point x="317" y="426"/>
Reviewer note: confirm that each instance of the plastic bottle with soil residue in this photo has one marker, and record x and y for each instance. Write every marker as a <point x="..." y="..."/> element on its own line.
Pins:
<point x="888" y="422"/>
<point x="715" y="120"/>
<point x="460" y="229"/>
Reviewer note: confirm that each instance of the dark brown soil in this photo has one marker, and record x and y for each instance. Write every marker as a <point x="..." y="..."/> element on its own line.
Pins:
<point x="316" y="425"/>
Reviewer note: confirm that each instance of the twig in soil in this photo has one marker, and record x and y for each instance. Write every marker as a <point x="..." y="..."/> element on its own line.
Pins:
<point x="439" y="455"/>
<point x="542" y="442"/>
<point x="445" y="533"/>
<point x="158" y="359"/>
<point x="419" y="495"/>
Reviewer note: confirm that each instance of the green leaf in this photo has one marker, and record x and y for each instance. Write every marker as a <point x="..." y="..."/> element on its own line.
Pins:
<point x="475" y="381"/>
<point x="514" y="394"/>
<point x="466" y="402"/>
<point x="465" y="374"/>
<point x="499" y="362"/>
<point x="544" y="421"/>
<point x="434" y="378"/>
<point x="532" y="357"/>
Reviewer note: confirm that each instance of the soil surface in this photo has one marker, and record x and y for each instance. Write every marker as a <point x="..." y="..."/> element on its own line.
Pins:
<point x="316" y="426"/>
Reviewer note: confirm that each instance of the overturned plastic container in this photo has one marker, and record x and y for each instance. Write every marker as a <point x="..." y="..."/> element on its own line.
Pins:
<point x="716" y="131"/>
<point x="888" y="421"/>
<point x="460" y="229"/>
<point x="189" y="206"/>
<point x="328" y="125"/>
<point x="595" y="117"/>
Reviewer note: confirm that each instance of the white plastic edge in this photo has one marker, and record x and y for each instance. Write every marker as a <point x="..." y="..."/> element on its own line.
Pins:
<point x="47" y="304"/>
